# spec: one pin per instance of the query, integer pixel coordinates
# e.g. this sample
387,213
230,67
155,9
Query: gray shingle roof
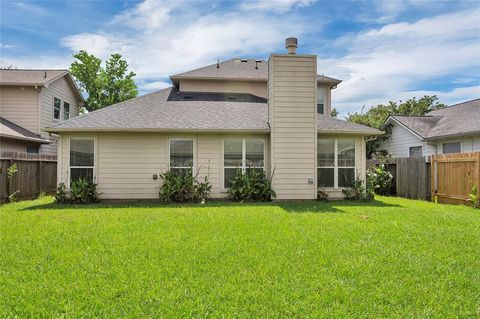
11,130
245,69
29,77
328,124
155,112
455,120
158,112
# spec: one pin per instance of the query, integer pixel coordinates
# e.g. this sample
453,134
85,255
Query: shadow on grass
290,207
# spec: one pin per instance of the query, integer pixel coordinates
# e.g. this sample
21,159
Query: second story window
57,107
321,100
66,111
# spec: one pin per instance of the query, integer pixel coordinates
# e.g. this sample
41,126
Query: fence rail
453,176
37,173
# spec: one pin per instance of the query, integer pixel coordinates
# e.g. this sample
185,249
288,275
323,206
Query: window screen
415,151
181,154
57,106
81,159
453,147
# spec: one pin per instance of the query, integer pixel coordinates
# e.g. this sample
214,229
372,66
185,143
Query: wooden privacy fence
412,178
453,176
37,173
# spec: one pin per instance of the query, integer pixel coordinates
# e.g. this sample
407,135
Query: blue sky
382,50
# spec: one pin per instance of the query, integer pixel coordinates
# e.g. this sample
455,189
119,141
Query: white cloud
391,62
156,49
153,86
30,7
275,5
6,46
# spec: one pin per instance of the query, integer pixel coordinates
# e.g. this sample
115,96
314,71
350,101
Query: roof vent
291,44
256,63
45,75
218,64
188,97
244,60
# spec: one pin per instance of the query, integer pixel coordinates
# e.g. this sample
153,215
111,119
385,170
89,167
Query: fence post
40,166
432,177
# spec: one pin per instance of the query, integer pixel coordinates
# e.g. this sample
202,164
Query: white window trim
335,163
244,156
95,152
194,150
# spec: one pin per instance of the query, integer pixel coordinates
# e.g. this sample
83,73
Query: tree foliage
104,85
376,115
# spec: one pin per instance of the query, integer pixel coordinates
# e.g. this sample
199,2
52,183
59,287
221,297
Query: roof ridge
203,67
35,70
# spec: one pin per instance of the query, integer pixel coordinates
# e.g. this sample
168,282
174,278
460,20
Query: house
242,113
453,129
31,100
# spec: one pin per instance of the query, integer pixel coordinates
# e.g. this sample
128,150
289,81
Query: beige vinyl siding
255,88
19,104
7,144
126,162
292,105
63,90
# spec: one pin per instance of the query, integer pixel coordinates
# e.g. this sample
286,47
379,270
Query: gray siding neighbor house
31,100
454,129
242,113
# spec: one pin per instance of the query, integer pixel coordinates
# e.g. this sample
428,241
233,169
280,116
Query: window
32,149
181,154
81,159
335,162
57,106
453,147
243,154
321,100
66,110
415,151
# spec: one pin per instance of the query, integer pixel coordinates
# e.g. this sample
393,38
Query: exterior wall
126,162
19,104
402,139
7,144
292,100
63,90
255,88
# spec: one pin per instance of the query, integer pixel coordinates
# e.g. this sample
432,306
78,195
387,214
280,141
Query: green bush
253,185
358,191
474,198
181,186
81,191
381,179
11,171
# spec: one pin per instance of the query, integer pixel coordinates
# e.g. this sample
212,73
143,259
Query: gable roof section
165,111
24,77
456,120
11,130
238,70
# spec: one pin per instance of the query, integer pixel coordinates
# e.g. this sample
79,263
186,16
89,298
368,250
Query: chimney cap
291,44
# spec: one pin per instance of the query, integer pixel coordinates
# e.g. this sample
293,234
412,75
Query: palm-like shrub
253,185
181,186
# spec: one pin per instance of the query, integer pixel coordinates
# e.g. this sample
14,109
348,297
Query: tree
104,85
334,113
376,115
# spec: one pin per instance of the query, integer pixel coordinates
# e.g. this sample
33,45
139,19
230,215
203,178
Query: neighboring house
31,100
272,115
453,129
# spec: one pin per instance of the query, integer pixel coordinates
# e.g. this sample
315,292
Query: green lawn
390,258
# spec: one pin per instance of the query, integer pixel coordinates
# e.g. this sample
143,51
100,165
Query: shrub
358,191
322,195
181,186
253,185
61,194
11,171
474,198
81,191
381,179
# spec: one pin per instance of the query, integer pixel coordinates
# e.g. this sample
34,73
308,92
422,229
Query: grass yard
392,258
